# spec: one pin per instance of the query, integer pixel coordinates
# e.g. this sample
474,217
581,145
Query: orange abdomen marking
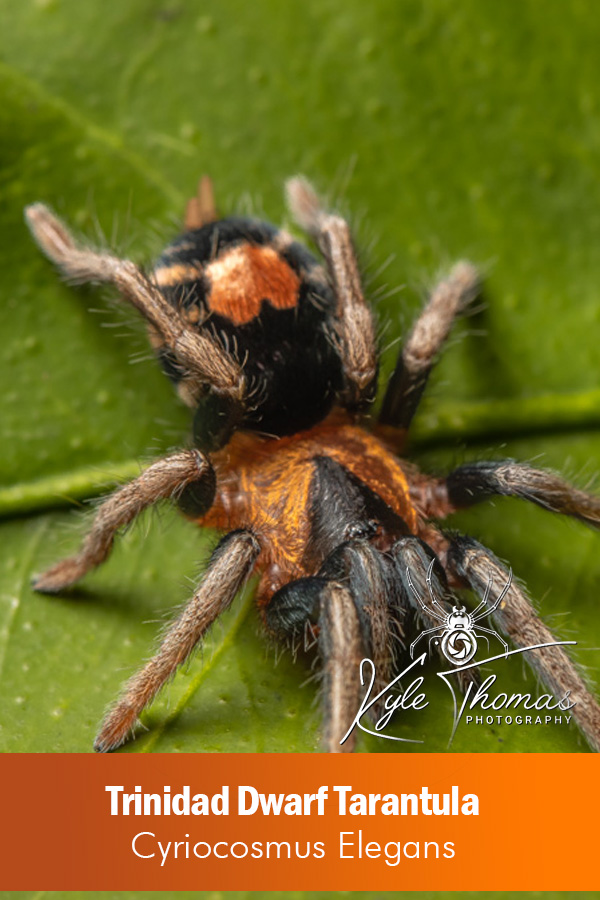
242,278
178,273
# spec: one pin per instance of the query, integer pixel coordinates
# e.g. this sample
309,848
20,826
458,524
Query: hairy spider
276,354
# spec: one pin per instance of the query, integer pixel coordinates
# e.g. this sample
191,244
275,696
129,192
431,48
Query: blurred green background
445,130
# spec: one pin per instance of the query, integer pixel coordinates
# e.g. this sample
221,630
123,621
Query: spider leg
201,209
373,584
423,633
354,330
348,601
431,612
429,644
412,555
434,599
486,639
329,606
230,565
498,600
424,343
187,476
496,635
474,482
413,559
342,650
516,617
204,362
484,602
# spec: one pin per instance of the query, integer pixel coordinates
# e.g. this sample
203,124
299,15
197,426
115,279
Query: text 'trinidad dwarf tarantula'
276,354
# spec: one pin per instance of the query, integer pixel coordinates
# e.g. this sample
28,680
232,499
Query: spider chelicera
276,354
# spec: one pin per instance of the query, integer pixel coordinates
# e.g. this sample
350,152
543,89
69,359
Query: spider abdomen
266,300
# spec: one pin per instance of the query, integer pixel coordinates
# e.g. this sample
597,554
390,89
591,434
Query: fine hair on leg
167,478
354,331
517,618
349,601
425,594
342,649
369,576
478,481
228,568
430,331
203,361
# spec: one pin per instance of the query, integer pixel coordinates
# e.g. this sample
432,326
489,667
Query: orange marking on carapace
266,485
243,277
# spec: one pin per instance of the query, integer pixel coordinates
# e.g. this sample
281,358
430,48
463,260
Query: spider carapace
275,352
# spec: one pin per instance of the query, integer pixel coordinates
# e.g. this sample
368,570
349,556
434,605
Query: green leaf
447,131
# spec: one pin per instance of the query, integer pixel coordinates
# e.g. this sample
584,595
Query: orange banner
261,821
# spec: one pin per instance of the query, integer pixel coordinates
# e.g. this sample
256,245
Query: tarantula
276,354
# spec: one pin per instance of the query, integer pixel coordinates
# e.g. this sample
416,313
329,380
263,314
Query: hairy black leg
203,361
230,565
477,481
353,328
370,578
424,591
423,344
186,477
516,617
327,609
348,605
